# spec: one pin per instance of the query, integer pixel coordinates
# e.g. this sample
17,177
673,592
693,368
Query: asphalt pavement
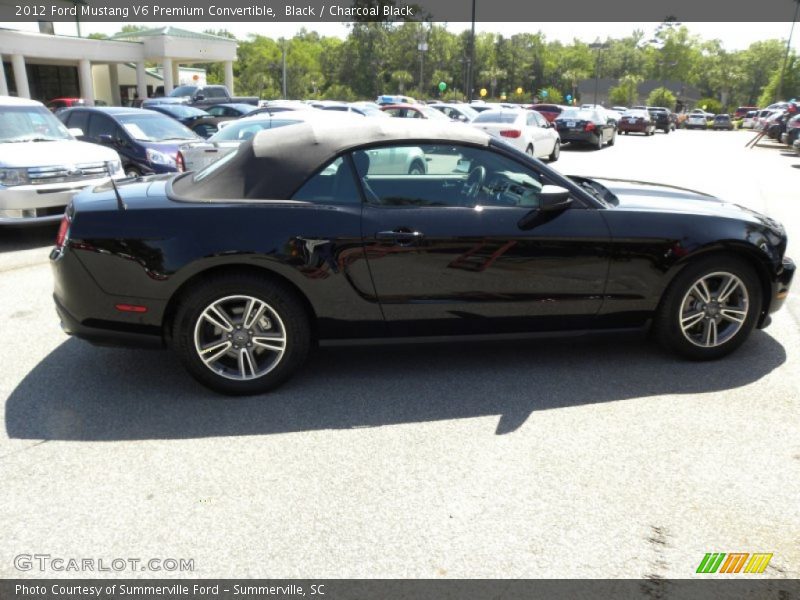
590,457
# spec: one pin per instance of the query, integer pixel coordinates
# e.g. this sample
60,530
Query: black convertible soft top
276,162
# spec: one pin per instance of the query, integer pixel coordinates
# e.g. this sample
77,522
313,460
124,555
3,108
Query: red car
413,111
636,121
58,103
548,111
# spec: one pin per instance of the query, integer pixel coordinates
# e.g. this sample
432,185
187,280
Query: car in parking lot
548,111
234,110
792,132
696,121
749,121
662,118
296,237
457,112
42,165
586,126
526,130
146,141
722,122
636,121
413,111
195,119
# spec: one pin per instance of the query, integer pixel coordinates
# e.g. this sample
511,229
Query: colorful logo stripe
734,563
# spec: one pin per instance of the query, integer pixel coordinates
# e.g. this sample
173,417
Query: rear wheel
709,309
556,152
599,144
613,138
241,335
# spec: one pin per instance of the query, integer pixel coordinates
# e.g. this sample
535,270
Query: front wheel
556,152
709,309
241,335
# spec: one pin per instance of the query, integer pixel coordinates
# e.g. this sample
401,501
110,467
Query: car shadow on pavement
80,392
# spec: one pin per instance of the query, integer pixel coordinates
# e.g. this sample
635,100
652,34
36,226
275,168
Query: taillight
63,231
511,133
180,163
589,127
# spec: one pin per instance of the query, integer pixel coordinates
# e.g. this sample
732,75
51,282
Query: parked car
457,112
388,99
57,104
147,141
636,121
42,165
586,126
548,111
526,130
242,267
796,145
662,117
203,96
792,131
696,120
199,121
742,111
413,111
235,110
749,121
353,109
722,122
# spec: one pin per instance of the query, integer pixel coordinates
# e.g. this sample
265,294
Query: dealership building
44,66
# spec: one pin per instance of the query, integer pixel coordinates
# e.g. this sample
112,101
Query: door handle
401,237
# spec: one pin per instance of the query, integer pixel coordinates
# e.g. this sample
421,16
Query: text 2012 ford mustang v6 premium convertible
312,232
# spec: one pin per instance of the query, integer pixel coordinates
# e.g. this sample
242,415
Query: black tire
667,321
599,144
666,131
281,300
555,153
416,168
132,172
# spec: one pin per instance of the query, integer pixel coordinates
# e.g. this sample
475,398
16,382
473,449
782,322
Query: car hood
654,197
43,154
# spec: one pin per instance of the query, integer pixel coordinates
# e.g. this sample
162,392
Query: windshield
578,114
29,124
154,127
183,90
181,112
497,116
432,113
240,131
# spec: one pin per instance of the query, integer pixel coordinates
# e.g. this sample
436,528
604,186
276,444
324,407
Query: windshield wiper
32,139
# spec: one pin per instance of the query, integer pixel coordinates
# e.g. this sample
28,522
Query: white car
198,155
42,165
696,121
527,130
749,121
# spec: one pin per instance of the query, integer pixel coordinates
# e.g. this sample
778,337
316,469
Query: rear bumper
578,137
632,127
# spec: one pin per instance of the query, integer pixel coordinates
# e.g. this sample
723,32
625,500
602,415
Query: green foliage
661,97
554,96
627,92
790,87
339,92
711,105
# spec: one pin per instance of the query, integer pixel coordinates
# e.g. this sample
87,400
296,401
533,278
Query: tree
711,105
553,95
627,92
661,96
401,78
791,82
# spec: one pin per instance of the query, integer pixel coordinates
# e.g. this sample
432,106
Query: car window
217,111
444,175
530,119
497,116
102,125
240,131
214,92
334,184
79,119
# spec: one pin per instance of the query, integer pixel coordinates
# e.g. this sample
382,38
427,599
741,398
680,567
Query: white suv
42,165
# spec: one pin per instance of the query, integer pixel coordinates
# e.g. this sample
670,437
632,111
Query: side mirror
105,138
553,200
462,118
76,132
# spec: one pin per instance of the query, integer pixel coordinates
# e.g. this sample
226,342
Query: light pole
599,47
423,48
471,60
779,91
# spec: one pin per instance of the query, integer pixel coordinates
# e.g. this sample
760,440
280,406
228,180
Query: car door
448,255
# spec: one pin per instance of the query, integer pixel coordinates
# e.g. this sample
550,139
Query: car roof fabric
276,162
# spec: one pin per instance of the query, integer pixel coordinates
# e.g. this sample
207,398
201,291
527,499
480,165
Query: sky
734,36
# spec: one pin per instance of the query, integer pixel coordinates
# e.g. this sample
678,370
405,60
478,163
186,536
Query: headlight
159,158
113,167
9,177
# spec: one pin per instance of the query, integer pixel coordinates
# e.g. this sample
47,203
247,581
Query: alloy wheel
240,337
714,309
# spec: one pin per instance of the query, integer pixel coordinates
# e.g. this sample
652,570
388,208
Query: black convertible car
320,231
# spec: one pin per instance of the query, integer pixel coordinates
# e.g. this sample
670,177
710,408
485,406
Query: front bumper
32,204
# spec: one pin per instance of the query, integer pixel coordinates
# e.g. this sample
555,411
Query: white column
141,81
166,71
85,81
176,74
3,82
113,79
20,76
229,76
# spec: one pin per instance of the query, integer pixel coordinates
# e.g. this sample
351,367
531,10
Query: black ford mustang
321,231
